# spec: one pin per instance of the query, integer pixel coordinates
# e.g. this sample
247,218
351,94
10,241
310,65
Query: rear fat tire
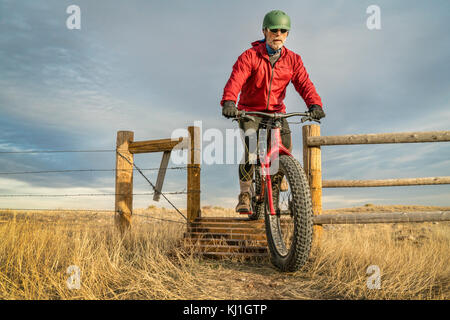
302,218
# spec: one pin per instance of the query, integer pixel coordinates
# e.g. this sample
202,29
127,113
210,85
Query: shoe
243,207
284,185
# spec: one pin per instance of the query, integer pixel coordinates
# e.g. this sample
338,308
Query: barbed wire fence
135,168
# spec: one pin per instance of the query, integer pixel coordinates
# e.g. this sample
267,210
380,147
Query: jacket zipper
270,87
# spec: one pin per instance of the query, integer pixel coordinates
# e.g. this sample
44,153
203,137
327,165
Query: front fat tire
257,207
302,218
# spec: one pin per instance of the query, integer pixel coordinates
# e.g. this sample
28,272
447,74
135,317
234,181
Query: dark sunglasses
276,30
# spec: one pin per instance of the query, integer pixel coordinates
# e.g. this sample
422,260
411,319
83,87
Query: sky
153,67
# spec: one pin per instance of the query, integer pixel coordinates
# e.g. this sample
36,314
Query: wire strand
92,211
52,151
149,217
86,194
92,170
55,209
86,170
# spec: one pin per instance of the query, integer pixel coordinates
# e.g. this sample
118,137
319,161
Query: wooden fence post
193,174
312,164
124,181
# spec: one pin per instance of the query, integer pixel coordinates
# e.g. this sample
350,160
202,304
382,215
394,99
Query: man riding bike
261,75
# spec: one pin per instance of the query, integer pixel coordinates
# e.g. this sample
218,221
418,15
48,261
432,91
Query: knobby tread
303,220
257,208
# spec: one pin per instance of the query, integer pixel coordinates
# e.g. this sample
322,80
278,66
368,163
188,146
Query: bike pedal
245,212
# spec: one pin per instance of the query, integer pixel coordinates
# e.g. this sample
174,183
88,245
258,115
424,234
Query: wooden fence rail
379,138
160,145
385,182
389,217
312,163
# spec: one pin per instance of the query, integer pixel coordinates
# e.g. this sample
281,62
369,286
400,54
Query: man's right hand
229,109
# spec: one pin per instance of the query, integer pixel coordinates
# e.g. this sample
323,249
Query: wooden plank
229,219
193,174
385,182
243,255
233,242
312,163
227,225
227,248
228,236
124,181
226,230
380,138
161,174
157,145
389,217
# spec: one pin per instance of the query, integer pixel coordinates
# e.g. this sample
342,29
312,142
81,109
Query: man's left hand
316,112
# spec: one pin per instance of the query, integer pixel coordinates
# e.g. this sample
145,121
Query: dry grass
150,263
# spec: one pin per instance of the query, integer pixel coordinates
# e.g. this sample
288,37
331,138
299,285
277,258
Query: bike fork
277,148
268,185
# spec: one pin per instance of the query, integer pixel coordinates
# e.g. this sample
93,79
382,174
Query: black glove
316,112
229,109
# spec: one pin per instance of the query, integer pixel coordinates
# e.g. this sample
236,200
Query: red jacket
262,87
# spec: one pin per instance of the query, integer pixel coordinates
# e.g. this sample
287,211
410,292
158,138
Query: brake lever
305,118
309,118
244,116
252,118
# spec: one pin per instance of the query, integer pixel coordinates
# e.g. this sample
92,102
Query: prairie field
150,261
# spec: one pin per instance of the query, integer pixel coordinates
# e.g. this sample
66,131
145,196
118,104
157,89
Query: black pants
250,136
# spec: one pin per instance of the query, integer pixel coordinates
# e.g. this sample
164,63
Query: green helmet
277,19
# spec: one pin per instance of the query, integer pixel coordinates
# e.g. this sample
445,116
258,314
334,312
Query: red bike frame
275,150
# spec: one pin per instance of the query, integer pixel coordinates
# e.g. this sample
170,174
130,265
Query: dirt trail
259,280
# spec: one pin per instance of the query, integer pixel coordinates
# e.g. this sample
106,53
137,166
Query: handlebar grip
241,115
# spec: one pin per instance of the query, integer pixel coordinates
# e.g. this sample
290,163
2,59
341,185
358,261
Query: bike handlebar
306,116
